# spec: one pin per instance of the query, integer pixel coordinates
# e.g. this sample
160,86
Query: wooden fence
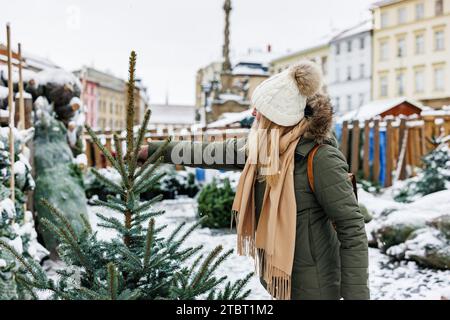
404,142
394,146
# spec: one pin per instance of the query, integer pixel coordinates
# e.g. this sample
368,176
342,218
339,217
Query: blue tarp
200,174
338,131
382,176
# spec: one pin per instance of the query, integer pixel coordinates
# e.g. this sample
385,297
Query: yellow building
412,50
318,53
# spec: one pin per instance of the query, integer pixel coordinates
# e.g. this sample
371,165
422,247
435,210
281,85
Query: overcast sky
173,38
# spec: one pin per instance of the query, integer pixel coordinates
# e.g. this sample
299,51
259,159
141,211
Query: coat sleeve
223,155
334,193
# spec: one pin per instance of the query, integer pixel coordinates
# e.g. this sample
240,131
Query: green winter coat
328,263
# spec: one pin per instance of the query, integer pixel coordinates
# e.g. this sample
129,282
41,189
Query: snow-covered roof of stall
229,118
57,76
27,75
375,108
172,114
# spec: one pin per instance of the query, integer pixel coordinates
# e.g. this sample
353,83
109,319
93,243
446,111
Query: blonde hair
263,141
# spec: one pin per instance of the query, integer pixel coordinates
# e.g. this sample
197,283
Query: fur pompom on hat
282,98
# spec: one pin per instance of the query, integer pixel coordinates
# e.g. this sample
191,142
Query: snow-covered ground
388,280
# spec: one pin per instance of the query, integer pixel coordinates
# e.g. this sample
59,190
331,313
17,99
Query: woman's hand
143,154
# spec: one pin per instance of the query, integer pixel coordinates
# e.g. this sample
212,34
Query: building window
419,80
361,99
349,102
384,20
349,73
420,11
439,7
400,84
338,49
361,70
401,47
439,76
338,101
338,76
420,44
362,43
383,86
439,40
384,51
401,15
349,46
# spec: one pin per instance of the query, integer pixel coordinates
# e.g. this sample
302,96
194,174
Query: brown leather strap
310,169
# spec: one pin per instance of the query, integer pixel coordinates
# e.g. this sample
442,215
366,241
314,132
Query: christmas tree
435,175
138,263
16,224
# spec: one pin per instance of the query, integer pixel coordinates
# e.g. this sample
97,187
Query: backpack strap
310,169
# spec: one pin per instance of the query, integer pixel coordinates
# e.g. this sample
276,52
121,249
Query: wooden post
389,153
108,147
366,164
355,147
403,148
429,133
11,112
376,151
21,98
344,140
89,152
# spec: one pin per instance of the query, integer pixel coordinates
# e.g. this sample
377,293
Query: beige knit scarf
272,245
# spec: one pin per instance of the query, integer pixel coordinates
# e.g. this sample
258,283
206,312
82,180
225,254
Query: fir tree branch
60,217
66,238
204,268
149,242
145,185
120,161
140,138
112,280
86,223
13,251
105,151
149,203
115,187
153,157
130,106
108,205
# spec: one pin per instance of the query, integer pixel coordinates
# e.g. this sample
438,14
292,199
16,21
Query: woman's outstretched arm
224,155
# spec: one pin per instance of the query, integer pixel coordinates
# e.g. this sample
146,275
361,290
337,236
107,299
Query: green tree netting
57,178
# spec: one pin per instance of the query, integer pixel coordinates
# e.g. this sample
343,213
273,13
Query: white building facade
350,68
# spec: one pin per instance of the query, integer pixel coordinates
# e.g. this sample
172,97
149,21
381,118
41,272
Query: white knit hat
282,97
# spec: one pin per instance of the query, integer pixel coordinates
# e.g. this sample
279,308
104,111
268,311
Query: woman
307,244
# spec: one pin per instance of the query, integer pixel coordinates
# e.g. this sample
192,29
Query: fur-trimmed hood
319,114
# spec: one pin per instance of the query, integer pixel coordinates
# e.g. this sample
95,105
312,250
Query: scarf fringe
278,281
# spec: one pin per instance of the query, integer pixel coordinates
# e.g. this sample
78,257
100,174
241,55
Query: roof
375,108
315,44
361,27
383,3
172,114
229,118
104,79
